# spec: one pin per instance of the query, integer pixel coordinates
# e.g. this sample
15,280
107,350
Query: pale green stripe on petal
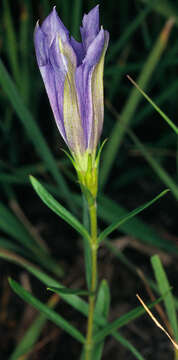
71,114
97,99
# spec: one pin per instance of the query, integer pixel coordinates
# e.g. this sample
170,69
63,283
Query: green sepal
70,157
99,152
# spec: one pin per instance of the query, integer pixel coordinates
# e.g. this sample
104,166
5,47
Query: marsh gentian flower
73,76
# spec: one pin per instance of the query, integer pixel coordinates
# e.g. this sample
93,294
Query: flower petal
79,50
40,46
72,73
90,27
98,97
53,26
71,114
84,86
54,84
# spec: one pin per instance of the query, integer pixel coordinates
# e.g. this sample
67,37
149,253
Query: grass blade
109,210
130,215
31,336
63,290
128,345
123,320
164,287
162,114
49,313
76,18
75,301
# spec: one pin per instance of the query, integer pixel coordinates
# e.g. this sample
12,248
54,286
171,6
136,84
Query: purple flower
73,76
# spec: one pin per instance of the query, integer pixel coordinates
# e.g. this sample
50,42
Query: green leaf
76,17
123,219
32,334
128,345
54,205
123,320
109,210
164,288
163,115
102,308
87,247
103,299
75,301
30,338
49,313
63,290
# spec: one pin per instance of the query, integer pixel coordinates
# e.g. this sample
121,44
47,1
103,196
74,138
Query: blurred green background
138,161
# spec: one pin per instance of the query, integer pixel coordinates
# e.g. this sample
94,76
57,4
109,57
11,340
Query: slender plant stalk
94,249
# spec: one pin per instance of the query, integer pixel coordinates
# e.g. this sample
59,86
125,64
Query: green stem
94,248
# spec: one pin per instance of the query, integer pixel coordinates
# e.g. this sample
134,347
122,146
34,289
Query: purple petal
83,83
95,49
54,84
40,46
55,58
73,76
52,74
53,26
62,56
79,50
90,27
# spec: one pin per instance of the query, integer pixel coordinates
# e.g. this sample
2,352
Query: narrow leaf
75,301
30,338
86,245
164,286
123,320
54,205
123,219
50,314
109,210
101,308
63,290
163,115
128,345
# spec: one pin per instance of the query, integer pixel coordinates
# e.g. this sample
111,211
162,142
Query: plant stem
94,248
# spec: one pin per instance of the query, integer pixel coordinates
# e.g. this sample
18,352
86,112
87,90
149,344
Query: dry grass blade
157,322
